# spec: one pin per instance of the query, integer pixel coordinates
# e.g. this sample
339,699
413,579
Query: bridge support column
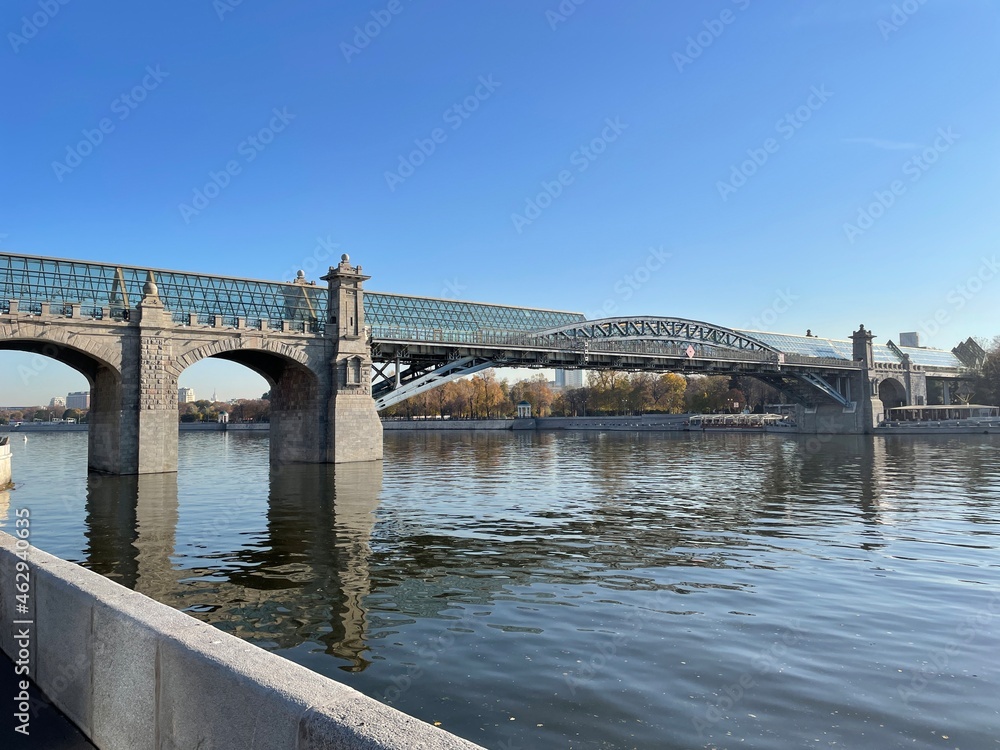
829,419
150,390
354,431
107,452
869,404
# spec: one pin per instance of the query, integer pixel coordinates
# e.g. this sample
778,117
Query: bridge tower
354,431
150,434
869,402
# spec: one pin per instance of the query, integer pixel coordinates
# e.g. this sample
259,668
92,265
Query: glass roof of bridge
396,310
811,346
33,279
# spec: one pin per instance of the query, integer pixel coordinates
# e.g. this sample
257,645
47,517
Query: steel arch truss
399,386
676,331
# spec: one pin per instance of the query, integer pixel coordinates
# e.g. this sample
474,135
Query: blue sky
789,164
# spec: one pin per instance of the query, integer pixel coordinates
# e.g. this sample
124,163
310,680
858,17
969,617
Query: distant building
569,379
78,400
185,395
58,402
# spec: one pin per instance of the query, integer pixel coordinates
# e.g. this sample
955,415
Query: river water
582,590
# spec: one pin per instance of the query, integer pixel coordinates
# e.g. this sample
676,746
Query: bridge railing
832,362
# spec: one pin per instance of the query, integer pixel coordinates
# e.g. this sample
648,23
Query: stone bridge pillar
149,388
866,388
354,431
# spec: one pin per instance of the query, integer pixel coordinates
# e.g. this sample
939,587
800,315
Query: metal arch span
671,330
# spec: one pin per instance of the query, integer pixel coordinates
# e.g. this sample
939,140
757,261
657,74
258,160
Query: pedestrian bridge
336,353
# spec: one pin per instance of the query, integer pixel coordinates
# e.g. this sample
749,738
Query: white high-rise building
185,395
58,402
569,379
78,400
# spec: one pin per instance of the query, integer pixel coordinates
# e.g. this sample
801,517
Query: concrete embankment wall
447,424
134,674
645,422
5,472
182,426
653,422
44,427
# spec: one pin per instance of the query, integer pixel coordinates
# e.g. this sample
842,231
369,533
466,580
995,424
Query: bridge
335,355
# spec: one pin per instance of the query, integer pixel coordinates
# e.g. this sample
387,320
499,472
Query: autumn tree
535,391
487,394
706,394
987,384
667,392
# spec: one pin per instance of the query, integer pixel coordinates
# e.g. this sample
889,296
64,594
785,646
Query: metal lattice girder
675,330
383,381
439,376
817,381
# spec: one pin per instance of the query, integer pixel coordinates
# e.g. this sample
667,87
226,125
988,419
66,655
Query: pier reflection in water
304,578
586,590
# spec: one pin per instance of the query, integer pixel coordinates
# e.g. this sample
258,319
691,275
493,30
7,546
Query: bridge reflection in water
482,576
306,579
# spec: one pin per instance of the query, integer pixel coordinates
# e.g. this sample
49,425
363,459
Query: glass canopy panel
399,311
804,345
34,280
844,349
95,285
932,357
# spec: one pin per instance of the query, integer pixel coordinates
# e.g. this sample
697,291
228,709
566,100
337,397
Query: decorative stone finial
300,275
149,288
345,258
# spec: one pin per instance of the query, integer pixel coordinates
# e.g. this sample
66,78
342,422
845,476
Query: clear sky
783,165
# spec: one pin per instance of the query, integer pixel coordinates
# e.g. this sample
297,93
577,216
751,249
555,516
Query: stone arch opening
105,450
892,393
297,413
